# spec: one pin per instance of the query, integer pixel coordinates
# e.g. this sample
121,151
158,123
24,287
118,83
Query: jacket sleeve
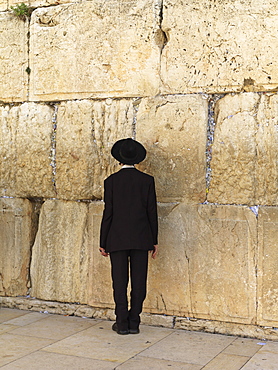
107,213
152,211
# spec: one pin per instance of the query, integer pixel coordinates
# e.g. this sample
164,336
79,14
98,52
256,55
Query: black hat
128,151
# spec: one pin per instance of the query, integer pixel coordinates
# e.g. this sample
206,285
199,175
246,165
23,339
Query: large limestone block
86,131
17,227
59,267
14,57
174,129
223,270
206,265
267,151
267,267
233,161
219,46
169,280
100,293
95,49
244,151
3,5
25,146
164,294
38,3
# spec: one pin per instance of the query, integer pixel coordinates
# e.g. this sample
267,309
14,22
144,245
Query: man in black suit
128,232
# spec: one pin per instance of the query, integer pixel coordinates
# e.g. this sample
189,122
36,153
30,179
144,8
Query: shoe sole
121,332
134,331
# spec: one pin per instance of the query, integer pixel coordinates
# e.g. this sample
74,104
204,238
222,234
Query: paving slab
227,362
27,318
262,362
265,359
5,328
54,327
195,348
36,341
54,361
7,314
244,347
141,362
13,347
99,342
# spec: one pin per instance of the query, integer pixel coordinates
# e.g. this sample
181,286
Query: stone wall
196,83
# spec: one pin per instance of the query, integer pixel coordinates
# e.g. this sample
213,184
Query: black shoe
134,331
121,332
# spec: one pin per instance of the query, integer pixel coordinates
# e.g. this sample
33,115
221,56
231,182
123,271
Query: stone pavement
41,341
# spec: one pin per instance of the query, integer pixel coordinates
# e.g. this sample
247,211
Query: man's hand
103,253
154,251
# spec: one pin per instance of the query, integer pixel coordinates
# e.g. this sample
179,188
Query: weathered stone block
108,49
206,266
14,57
234,150
39,3
59,267
173,129
219,46
86,131
25,145
226,328
267,151
244,151
267,266
168,280
17,227
100,292
3,5
223,278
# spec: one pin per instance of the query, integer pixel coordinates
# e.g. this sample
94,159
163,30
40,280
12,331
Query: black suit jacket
130,215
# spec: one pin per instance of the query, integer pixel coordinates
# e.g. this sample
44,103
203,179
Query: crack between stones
53,147
255,208
255,115
160,36
37,205
28,69
212,99
136,104
163,301
189,283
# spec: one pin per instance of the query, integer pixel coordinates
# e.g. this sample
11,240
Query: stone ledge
173,322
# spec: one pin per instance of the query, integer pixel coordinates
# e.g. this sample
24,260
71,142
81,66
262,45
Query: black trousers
136,261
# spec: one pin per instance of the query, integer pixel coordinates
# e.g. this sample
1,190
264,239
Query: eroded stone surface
173,129
205,252
169,280
234,150
226,328
38,3
198,245
267,151
59,267
100,287
267,266
3,5
219,46
244,151
25,146
221,260
16,237
86,131
124,41
14,57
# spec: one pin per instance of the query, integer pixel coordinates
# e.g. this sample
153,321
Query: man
128,232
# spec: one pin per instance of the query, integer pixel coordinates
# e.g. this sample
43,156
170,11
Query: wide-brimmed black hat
128,151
